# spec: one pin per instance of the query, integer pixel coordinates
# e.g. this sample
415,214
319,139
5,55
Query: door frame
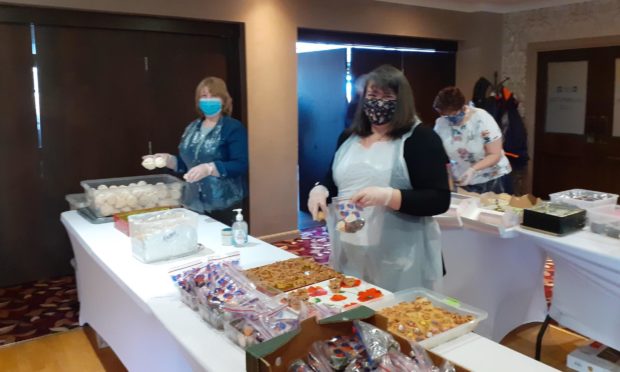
531,69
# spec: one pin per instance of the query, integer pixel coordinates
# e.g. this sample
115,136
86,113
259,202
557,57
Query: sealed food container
554,218
407,311
163,235
107,197
584,199
605,220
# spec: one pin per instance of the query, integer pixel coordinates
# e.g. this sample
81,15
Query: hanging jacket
503,106
515,135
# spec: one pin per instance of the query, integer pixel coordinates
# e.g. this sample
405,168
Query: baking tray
440,301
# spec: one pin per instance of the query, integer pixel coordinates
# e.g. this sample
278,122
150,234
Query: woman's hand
373,196
199,172
467,177
317,202
493,154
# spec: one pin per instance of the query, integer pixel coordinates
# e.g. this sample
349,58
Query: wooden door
20,186
176,64
574,144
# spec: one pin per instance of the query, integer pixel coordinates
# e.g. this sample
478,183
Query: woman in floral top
473,141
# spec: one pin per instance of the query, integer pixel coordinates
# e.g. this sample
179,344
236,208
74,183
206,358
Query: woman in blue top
213,155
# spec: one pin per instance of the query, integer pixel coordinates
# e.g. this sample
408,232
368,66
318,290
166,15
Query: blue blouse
226,145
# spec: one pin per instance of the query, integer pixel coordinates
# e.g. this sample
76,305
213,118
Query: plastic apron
394,250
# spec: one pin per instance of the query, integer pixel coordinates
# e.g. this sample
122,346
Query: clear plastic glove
199,172
159,160
467,177
317,202
373,196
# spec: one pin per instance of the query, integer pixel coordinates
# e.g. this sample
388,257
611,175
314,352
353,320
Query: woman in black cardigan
395,169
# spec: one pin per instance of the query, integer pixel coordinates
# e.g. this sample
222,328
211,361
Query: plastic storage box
163,235
440,301
107,197
605,220
584,199
76,201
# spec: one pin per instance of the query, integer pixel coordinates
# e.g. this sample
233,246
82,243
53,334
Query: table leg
541,334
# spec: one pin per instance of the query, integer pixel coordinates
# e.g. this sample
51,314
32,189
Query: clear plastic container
113,195
440,301
76,201
605,220
163,235
584,199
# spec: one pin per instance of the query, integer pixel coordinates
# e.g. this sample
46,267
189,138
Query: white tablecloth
586,294
504,277
136,308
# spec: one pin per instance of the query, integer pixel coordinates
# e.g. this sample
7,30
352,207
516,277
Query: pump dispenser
239,230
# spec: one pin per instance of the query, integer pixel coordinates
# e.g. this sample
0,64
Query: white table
137,310
115,290
503,276
586,293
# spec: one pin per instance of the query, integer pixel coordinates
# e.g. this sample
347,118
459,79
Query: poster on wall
567,84
616,131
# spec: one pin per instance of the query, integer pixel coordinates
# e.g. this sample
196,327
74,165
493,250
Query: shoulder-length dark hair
387,77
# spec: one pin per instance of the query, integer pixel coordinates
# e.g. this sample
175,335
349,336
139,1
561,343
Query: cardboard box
277,354
594,358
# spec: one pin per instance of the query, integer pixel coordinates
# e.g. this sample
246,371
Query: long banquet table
135,308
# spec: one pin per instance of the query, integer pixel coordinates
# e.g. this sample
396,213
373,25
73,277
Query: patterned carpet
47,306
36,309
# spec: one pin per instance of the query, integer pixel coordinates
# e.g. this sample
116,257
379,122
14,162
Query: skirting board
287,235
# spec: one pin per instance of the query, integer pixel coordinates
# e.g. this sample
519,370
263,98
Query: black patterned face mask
379,111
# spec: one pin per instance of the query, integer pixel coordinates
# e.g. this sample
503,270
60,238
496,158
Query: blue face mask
210,106
455,119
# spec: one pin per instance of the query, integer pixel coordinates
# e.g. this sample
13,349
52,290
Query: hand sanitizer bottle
239,230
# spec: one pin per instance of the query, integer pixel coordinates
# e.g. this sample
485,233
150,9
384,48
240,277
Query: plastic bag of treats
376,341
337,354
259,324
183,277
224,287
423,362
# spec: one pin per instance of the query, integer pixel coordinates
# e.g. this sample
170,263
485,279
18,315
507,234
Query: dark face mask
379,111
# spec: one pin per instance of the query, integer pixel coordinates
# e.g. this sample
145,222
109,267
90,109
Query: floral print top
464,144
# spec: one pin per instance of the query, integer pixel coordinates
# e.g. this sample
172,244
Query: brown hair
449,99
217,88
387,77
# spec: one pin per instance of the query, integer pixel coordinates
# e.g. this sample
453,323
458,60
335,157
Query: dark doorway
107,86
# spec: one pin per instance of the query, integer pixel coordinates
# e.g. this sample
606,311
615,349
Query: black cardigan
427,163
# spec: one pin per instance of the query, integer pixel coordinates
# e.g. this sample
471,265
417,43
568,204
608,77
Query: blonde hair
217,88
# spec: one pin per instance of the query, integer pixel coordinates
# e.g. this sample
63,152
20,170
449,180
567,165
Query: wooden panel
93,118
20,184
428,73
177,63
